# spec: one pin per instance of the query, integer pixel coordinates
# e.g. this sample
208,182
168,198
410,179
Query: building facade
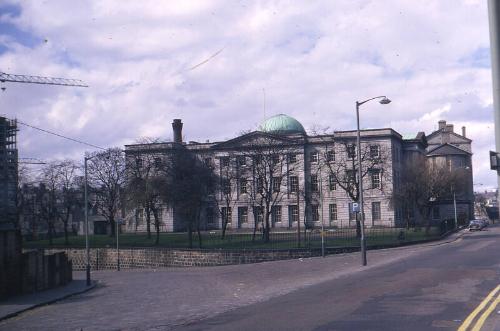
315,183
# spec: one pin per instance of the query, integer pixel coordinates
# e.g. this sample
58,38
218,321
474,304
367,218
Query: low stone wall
106,258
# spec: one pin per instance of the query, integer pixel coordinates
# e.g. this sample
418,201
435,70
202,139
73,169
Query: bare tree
269,170
47,195
69,192
144,174
424,186
226,189
340,161
106,172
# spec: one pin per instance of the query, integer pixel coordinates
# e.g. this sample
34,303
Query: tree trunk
224,226
112,226
49,232
148,220
190,235
65,222
157,226
298,222
267,229
199,235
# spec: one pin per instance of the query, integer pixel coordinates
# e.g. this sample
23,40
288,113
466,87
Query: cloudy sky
215,64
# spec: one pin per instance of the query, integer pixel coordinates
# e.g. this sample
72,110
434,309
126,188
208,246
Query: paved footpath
161,299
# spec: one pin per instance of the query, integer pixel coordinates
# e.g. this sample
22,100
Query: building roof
281,124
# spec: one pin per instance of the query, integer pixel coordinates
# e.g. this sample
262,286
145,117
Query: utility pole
494,20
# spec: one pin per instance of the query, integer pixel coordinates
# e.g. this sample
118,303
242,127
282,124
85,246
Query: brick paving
160,299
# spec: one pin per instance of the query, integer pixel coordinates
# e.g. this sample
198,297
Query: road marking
486,313
476,311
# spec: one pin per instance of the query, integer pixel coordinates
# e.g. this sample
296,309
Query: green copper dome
281,124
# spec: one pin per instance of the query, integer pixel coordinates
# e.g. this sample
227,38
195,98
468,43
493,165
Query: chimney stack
177,126
442,124
463,131
449,127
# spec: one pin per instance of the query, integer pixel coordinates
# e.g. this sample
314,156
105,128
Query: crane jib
4,77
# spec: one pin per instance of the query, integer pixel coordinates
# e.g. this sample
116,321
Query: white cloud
314,60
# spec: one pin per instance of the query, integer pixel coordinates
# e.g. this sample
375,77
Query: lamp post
384,100
87,252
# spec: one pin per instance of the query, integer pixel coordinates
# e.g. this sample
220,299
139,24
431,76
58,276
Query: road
434,290
424,287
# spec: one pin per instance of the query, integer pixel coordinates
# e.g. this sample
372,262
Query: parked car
476,225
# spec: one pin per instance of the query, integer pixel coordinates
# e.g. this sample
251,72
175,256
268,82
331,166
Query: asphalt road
437,289
421,287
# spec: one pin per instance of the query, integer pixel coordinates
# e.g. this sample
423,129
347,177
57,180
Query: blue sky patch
480,58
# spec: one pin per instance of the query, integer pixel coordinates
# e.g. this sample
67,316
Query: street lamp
87,251
384,101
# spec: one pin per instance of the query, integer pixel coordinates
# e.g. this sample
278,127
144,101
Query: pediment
258,139
447,149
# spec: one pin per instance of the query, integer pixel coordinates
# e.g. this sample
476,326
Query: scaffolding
8,173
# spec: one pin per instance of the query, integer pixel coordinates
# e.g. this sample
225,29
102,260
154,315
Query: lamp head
385,101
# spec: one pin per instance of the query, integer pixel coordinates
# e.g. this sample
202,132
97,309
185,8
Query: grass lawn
279,240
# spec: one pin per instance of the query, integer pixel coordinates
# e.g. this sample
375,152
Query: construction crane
4,78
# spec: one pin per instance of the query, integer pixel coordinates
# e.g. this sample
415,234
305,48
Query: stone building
446,147
313,181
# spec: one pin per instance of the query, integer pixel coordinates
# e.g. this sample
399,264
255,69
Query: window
352,214
435,213
275,158
333,212
376,211
375,151
330,156
243,186
157,162
242,160
257,159
351,175
138,162
294,184
351,151
276,214
375,174
210,215
260,185
332,184
226,186
242,215
293,213
226,214
314,183
315,213
276,184
314,157
225,161
259,212
292,158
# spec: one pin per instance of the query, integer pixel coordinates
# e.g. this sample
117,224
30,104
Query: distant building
446,147
308,193
8,173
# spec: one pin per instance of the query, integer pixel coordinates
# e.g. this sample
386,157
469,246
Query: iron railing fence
278,238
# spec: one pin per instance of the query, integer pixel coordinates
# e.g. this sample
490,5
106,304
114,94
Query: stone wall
30,271
10,263
106,258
